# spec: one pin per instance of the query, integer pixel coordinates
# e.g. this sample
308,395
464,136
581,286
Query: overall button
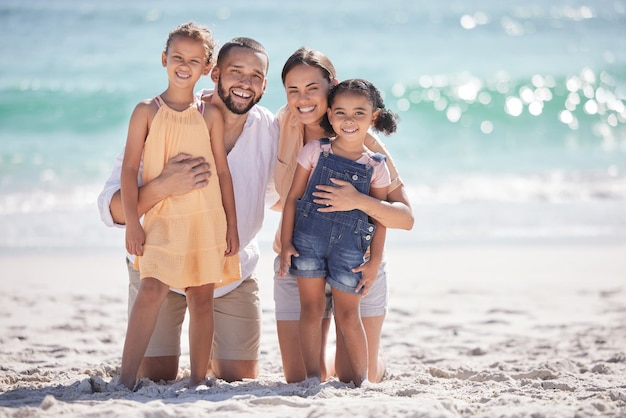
355,177
371,228
368,237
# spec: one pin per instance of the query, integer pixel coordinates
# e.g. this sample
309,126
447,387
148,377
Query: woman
307,77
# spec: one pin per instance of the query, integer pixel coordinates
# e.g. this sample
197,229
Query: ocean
512,118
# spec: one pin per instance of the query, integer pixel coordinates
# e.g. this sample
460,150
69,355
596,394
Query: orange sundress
185,235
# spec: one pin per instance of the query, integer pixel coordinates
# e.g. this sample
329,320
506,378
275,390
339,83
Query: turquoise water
512,113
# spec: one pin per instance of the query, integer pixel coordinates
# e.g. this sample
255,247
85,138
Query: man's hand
182,174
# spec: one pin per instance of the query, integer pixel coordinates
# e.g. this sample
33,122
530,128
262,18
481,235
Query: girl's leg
287,307
141,323
312,304
375,360
350,327
200,304
373,308
343,370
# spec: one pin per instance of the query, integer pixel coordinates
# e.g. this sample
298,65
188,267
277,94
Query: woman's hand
341,197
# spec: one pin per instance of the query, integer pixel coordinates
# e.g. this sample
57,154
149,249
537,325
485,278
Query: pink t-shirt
310,154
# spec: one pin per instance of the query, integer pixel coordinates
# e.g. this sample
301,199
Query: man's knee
159,368
153,290
235,370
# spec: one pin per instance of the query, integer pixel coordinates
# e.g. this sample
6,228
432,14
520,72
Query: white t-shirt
251,163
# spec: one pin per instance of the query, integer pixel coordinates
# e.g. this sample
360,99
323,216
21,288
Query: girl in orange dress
188,242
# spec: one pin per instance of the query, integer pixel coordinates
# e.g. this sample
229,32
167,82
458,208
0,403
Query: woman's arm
394,212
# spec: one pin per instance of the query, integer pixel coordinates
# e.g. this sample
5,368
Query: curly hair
386,121
195,31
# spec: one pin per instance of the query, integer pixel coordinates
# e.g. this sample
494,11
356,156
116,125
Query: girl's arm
215,124
298,186
370,267
137,133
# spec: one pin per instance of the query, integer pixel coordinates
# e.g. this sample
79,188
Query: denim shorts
287,298
330,247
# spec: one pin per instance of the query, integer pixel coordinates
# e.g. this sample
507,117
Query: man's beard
238,110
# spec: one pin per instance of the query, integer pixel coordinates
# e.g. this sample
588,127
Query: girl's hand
285,259
232,242
341,197
369,272
135,239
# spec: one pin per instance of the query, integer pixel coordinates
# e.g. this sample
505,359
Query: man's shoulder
262,122
261,112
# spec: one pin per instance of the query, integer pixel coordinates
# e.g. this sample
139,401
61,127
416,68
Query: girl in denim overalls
320,248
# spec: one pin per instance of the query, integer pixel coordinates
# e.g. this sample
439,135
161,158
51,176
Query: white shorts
287,298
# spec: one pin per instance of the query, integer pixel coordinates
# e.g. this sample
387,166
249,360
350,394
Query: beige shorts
237,317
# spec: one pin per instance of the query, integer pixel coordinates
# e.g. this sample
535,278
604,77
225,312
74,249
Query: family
191,188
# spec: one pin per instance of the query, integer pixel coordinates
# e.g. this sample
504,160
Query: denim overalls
332,244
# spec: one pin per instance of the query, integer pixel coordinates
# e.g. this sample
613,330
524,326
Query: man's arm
180,175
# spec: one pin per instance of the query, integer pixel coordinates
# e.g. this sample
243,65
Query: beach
472,331
507,298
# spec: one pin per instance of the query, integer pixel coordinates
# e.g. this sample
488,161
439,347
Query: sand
513,331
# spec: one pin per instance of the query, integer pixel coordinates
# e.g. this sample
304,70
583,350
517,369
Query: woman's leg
141,323
312,302
200,304
291,354
351,330
376,365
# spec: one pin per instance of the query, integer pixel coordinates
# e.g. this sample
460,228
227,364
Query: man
251,138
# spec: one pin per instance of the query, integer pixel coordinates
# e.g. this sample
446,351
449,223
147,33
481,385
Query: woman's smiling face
307,93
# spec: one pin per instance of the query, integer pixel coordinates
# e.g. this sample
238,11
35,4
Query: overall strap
375,159
325,145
